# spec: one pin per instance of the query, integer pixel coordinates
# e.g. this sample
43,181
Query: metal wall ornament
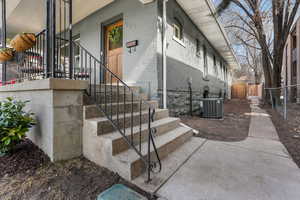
132,45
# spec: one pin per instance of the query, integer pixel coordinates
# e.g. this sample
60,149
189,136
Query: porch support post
48,39
298,61
70,39
53,36
3,28
165,54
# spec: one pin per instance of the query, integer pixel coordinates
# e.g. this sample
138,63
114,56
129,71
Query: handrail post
285,102
71,40
53,36
149,146
48,39
4,64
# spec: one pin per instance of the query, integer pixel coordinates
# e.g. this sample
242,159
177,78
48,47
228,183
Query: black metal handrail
106,81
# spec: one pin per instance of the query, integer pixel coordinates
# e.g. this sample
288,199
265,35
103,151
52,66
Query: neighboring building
291,63
159,48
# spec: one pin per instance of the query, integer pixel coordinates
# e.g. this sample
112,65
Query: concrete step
162,126
103,126
91,111
170,165
114,87
113,98
165,144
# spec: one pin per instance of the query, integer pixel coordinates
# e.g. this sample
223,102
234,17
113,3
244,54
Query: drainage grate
120,192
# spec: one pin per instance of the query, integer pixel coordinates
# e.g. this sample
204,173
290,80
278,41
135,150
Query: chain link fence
288,100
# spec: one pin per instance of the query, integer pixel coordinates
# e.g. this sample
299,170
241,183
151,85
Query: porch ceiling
200,12
29,15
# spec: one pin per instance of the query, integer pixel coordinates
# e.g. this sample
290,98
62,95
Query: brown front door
114,50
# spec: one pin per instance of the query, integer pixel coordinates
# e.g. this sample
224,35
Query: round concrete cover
120,192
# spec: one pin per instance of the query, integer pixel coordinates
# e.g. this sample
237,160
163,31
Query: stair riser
135,89
137,168
93,111
119,145
114,98
106,127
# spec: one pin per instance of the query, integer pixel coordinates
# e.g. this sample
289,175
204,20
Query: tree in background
256,15
248,50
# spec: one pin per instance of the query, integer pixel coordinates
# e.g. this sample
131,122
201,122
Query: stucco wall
144,67
183,64
139,67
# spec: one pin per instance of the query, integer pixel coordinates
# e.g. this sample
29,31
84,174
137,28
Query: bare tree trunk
276,76
267,75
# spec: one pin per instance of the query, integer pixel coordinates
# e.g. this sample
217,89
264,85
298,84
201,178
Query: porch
67,84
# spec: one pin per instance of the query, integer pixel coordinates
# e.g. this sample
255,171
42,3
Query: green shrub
14,123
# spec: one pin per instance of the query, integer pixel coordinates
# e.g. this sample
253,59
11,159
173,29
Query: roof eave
201,13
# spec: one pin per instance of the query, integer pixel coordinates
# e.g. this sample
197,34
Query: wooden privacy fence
239,91
244,90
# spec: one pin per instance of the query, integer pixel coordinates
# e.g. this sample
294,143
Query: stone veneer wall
58,108
179,101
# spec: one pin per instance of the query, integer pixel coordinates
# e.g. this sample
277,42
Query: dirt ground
288,130
233,127
27,174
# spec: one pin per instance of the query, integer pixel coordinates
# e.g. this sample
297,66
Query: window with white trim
205,61
178,30
215,66
198,48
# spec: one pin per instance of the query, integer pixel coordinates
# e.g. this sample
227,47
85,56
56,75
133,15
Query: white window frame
179,30
205,61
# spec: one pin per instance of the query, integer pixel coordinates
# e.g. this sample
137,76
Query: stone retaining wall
179,101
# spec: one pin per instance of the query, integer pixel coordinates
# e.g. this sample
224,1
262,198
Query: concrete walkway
258,168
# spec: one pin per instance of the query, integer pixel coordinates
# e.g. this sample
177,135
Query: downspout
165,54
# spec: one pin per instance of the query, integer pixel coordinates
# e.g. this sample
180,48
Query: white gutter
165,54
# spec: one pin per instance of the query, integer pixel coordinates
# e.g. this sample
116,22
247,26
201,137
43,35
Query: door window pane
118,40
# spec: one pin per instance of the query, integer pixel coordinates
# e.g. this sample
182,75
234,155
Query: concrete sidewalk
258,168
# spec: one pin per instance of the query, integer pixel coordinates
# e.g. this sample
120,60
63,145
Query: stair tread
121,115
115,103
116,134
131,156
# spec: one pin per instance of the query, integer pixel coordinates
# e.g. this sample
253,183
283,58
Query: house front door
114,50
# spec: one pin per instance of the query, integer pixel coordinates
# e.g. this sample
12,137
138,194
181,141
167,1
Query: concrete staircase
105,146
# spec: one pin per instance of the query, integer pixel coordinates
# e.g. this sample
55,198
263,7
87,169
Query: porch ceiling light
146,1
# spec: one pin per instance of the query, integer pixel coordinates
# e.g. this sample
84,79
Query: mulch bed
28,174
26,158
288,130
233,127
